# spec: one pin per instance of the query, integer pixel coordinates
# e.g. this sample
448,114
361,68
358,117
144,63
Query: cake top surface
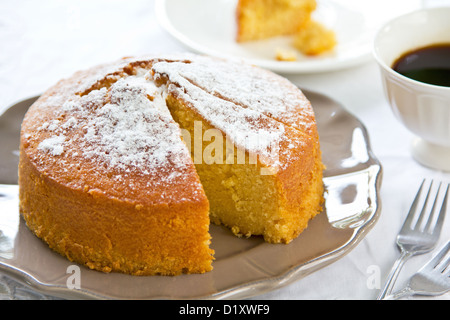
244,85
112,122
119,138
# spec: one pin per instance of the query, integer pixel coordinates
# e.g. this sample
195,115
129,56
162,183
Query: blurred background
55,38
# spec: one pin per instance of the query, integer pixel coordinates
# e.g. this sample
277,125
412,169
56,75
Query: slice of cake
314,39
264,19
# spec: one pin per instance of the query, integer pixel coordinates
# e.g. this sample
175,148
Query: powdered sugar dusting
53,145
248,128
244,127
131,130
126,126
247,86
119,119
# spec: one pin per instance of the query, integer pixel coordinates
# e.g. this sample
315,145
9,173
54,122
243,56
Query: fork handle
392,277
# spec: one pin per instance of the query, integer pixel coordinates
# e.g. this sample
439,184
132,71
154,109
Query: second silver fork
413,238
432,279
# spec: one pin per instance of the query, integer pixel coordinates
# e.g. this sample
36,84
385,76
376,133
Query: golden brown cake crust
108,234
136,218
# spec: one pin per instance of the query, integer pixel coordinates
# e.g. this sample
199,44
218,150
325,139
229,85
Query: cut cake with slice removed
108,179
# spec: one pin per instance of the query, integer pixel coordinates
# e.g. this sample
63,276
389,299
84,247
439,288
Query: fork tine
433,211
436,260
409,219
424,207
445,268
442,212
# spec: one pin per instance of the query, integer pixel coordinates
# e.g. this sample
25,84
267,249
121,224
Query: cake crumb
283,54
314,39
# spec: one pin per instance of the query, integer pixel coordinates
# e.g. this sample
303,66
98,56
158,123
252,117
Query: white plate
209,27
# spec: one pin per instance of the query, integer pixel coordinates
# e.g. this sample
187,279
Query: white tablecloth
43,41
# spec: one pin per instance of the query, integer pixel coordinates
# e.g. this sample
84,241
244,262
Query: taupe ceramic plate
243,267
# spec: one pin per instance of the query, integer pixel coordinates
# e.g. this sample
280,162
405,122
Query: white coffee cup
423,108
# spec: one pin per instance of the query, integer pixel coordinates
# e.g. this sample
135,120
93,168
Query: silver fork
431,280
413,239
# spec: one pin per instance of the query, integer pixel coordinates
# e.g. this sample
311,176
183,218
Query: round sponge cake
123,166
